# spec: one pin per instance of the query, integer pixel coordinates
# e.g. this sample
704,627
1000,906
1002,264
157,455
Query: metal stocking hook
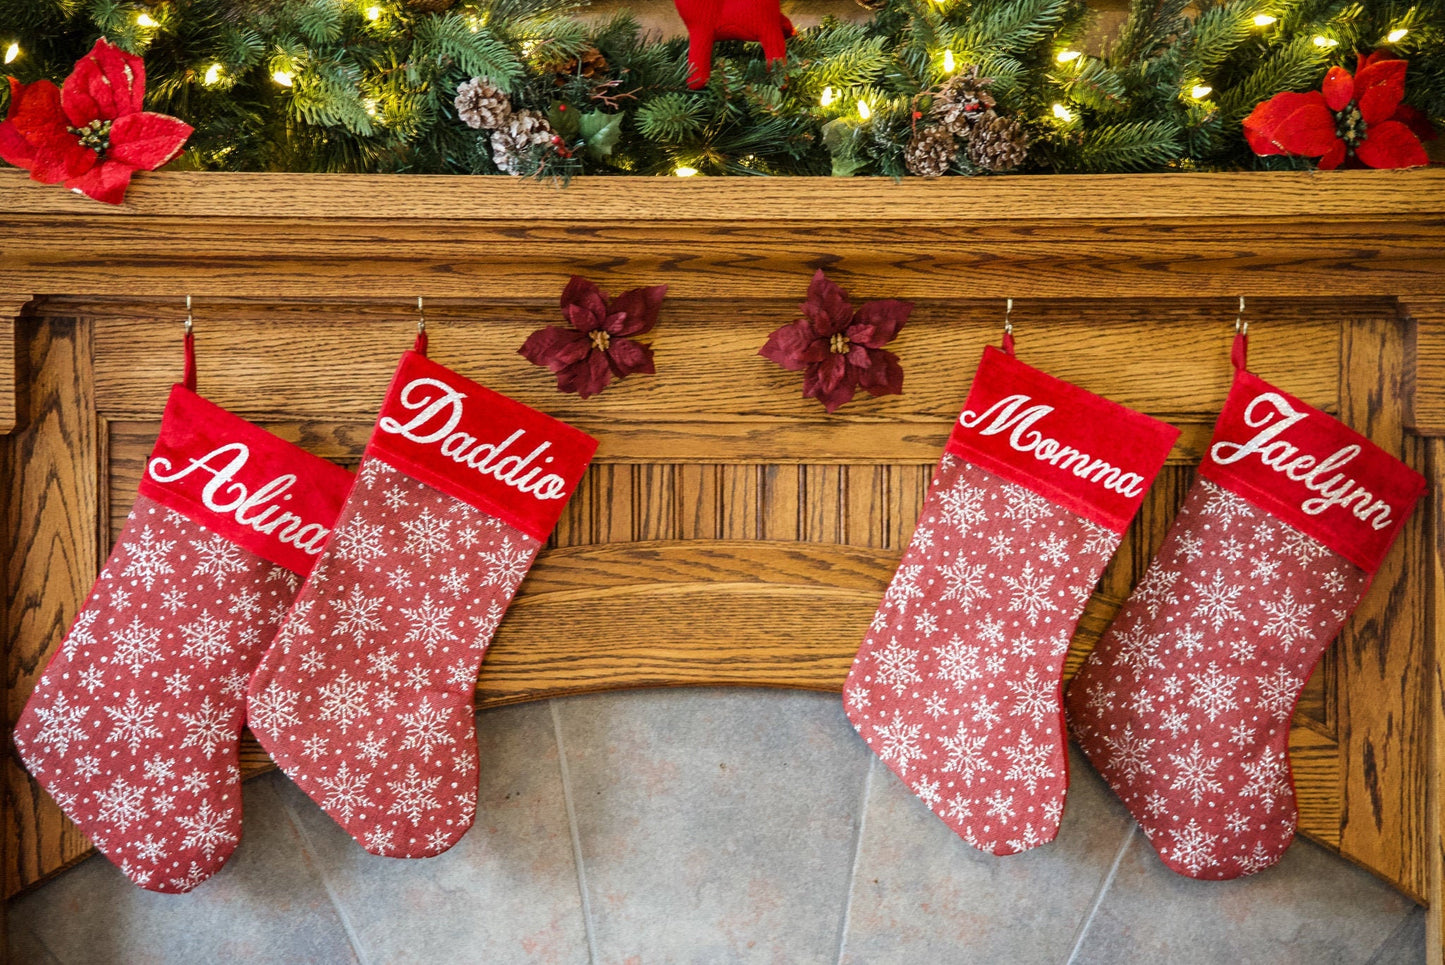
420,315
189,323
1241,327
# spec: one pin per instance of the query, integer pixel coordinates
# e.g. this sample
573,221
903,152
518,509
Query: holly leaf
601,132
564,120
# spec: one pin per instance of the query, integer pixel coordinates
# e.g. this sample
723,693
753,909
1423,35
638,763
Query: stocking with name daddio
134,726
365,698
957,684
1185,704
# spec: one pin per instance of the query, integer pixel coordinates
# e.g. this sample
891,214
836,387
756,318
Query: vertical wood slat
11,305
51,515
1435,711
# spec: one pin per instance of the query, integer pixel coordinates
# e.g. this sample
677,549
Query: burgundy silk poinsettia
839,349
1354,121
598,346
91,132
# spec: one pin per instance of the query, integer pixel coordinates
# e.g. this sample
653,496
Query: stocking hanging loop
1008,326
420,346
190,371
1239,354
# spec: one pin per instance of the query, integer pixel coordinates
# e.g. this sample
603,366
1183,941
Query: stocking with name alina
1184,706
956,686
135,724
365,699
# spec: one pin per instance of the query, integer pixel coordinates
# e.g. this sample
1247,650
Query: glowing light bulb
370,106
1264,19
864,111
1067,56
948,62
11,53
829,96
282,77
1396,35
213,74
1063,113
683,171
146,20
373,13
1200,91
1325,42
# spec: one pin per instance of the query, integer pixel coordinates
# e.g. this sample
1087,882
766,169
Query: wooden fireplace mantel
729,531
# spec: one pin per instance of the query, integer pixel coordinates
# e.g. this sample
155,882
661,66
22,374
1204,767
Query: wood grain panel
1435,698
1427,353
11,304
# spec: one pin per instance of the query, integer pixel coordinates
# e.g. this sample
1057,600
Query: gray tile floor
710,826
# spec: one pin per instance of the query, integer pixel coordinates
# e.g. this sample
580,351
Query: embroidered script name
1273,416
1016,416
435,422
259,509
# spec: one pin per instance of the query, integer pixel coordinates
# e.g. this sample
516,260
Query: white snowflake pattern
1030,593
360,542
1304,548
927,791
1175,722
1190,640
1000,545
1025,507
1231,550
1213,691
935,705
137,645
414,795
903,588
967,582
207,829
60,724
1055,550
1288,618
1277,692
244,603
1216,600
80,636
1156,590
274,708
217,558
149,558
1000,805
426,728
454,582
961,506
957,663
87,766
345,792
398,579
1139,649
1194,774
395,498
897,667
357,615
985,712
1193,848
1129,752
1034,696
373,748
427,535
900,742
122,804
206,638
430,624
1189,546
967,754
1264,569
1028,763
133,722
925,623
1225,505
1241,735
1268,777
207,728
486,624
343,700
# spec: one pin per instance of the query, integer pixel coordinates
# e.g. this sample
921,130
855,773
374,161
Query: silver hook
1008,325
1241,327
189,323
420,315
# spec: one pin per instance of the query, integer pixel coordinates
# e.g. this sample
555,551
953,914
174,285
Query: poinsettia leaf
145,140
36,116
107,83
827,305
1334,157
14,149
877,323
1391,145
555,347
628,357
587,377
584,304
1308,132
794,346
831,397
1379,88
1262,126
884,375
105,181
1417,121
1338,88
635,311
832,371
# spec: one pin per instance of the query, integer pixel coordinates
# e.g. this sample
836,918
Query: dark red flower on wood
598,346
90,133
1352,121
838,349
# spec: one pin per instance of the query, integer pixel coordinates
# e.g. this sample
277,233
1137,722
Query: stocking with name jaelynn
134,727
1185,704
365,698
957,684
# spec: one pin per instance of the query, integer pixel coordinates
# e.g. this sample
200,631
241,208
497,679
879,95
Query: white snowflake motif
1055,550
1028,763
1213,691
1333,581
985,712
430,624
160,768
206,829
959,807
1175,722
903,588
92,678
454,582
196,781
134,722
427,536
961,506
927,791
426,728
274,709
217,558
244,603
1025,507
1000,805
88,766
507,564
1231,550
395,498
925,623
149,558
1264,569
163,803
60,724
80,635
1257,860
345,792
313,661
343,700
1225,505
383,663
378,840
1099,540
1129,752
468,537
137,645
150,849
1189,547
360,542
282,575
1099,699
1241,735
935,705
1000,545
1288,619
1303,548
398,579
1193,848
1034,696
989,630
192,878
486,625
121,804
1029,839
966,583
461,673
957,663
1142,703
1277,692
120,599
967,754
1023,648
1236,822
1268,777
371,470
207,729
415,795
922,538
1195,773
418,677
900,742
1216,602
1190,640
1156,590
1156,804
373,748
1139,650
1172,686
357,615
897,667
1030,593
206,638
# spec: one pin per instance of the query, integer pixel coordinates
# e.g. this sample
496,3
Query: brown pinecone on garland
930,153
429,6
591,64
996,143
513,140
483,106
962,100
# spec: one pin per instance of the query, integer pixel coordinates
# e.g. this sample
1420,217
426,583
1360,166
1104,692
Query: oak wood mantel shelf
730,532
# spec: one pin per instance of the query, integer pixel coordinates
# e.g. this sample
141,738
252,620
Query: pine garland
369,85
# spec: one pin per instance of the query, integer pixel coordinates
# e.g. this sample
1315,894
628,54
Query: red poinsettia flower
839,349
1354,121
91,133
598,346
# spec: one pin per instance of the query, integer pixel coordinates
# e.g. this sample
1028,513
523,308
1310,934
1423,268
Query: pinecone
482,106
591,64
430,6
997,143
962,100
930,153
512,142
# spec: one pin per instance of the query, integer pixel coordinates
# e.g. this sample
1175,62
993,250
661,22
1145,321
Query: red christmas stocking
956,685
134,725
1184,706
365,698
